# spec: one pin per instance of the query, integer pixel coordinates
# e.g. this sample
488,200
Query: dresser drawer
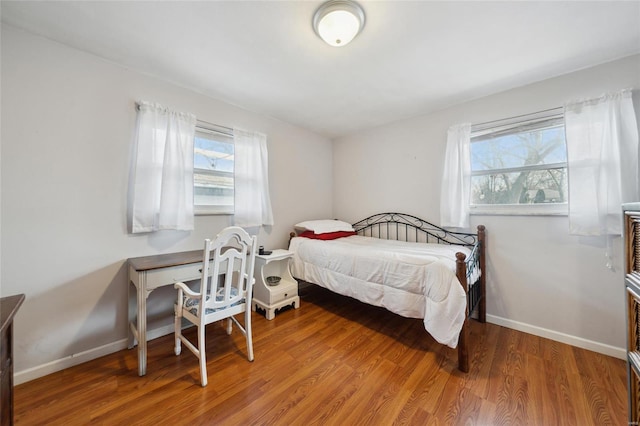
6,350
633,319
6,395
632,242
634,401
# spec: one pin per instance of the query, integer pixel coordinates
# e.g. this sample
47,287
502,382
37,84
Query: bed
402,263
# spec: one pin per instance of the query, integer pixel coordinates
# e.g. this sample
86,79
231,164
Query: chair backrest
228,264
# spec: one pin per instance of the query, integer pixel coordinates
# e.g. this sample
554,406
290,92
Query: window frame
211,129
512,126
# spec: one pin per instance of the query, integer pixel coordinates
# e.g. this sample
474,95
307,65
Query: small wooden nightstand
271,298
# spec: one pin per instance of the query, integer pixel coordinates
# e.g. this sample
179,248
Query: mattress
415,280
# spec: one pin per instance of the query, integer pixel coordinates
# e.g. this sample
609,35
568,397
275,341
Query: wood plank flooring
336,361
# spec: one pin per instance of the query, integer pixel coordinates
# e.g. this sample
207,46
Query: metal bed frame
405,227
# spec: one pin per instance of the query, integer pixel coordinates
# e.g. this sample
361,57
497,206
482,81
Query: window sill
521,210
212,210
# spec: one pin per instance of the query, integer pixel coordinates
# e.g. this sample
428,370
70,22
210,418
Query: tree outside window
525,164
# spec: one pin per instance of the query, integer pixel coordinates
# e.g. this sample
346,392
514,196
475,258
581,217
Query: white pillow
324,226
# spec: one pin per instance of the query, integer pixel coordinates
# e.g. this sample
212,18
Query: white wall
67,123
67,126
540,279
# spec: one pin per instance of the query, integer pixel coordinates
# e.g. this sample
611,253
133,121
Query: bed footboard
470,271
474,269
467,268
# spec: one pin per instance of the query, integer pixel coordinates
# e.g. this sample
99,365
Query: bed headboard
405,227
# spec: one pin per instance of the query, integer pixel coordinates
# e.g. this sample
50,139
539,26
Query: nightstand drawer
284,293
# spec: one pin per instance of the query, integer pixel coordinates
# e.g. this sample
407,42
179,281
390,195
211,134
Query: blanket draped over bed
406,265
415,280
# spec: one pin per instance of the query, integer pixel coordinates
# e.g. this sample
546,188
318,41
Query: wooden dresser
8,308
631,231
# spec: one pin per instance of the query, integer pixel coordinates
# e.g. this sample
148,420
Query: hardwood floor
336,361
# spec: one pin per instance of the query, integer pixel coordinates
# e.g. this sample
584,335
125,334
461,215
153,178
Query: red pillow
327,235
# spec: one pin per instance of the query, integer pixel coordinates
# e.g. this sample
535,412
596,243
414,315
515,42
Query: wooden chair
225,290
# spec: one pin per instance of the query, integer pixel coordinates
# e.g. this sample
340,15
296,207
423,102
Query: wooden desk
146,274
8,308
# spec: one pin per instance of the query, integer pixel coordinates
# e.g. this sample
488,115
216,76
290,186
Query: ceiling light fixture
337,22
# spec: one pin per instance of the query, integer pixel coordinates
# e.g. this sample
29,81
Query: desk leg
138,331
132,336
142,326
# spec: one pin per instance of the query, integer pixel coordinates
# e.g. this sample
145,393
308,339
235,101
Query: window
519,166
213,181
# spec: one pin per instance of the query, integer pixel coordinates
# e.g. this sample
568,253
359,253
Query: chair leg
177,330
247,329
203,357
229,326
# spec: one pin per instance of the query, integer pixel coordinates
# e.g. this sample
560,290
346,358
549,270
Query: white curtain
602,156
252,200
456,178
163,175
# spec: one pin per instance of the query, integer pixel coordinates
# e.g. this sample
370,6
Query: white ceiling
413,57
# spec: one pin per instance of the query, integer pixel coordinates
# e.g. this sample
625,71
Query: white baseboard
33,373
579,342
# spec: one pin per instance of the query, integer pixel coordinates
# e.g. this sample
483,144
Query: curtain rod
213,127
559,109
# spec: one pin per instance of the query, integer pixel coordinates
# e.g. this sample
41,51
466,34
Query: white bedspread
415,280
